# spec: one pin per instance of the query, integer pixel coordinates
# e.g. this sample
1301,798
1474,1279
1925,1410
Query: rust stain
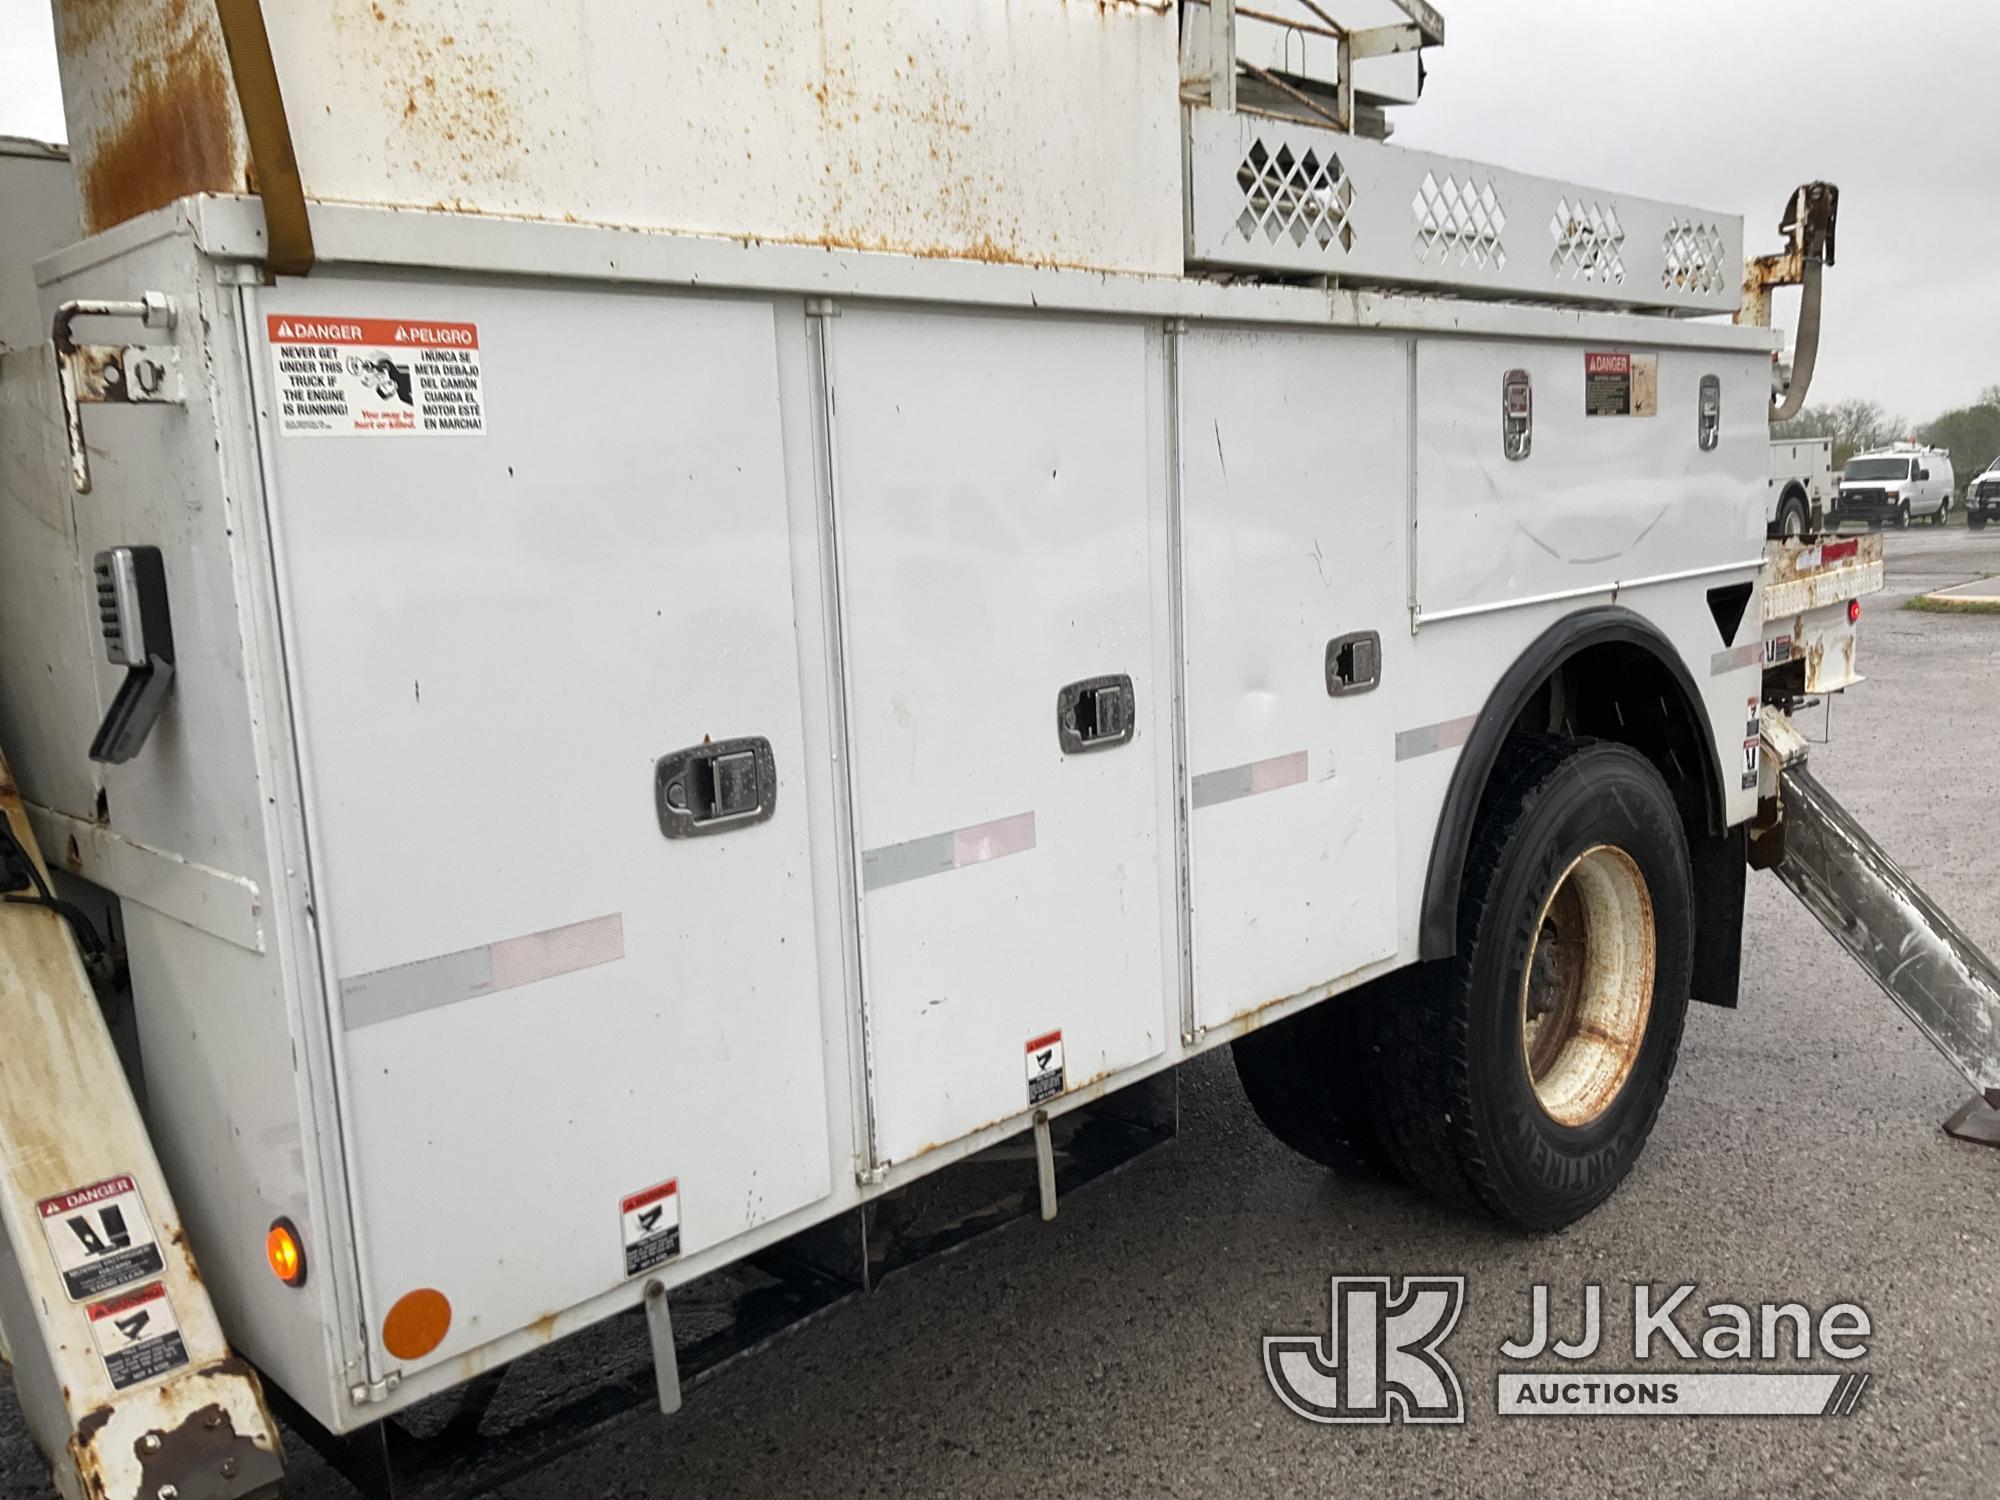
179,1240
451,95
80,24
173,127
93,1421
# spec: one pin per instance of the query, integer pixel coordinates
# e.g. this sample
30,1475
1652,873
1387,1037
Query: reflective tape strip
1749,654
1448,735
1211,787
935,853
427,983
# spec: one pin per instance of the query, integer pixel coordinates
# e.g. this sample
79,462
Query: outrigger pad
1975,1121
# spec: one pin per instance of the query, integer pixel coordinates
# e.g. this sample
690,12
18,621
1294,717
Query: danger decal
137,1336
1045,1067
651,1225
1617,384
376,377
101,1237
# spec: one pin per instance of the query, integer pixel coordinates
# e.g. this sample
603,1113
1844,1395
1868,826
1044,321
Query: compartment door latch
715,786
1353,663
1095,714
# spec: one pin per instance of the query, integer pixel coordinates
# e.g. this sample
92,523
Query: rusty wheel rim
1587,988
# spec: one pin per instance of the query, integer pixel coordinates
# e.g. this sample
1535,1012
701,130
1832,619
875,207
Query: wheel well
1603,672
1795,491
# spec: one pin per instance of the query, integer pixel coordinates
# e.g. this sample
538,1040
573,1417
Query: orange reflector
417,1324
286,1255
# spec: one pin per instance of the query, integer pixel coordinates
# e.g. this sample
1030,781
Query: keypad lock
1095,714
715,786
138,636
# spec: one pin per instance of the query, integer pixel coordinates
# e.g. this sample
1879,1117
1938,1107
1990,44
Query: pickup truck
1982,496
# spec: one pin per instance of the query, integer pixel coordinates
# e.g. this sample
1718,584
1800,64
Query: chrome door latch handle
715,786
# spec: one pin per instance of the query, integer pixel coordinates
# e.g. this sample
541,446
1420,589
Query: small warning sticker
100,1237
651,1224
376,377
1616,384
1045,1067
1750,742
137,1336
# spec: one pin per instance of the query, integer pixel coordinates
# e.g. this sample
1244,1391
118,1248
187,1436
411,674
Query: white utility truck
626,643
1801,486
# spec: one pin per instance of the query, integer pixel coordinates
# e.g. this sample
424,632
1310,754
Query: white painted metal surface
40,193
1007,473
915,127
491,639
1294,473
1804,465
997,532
1278,195
1600,500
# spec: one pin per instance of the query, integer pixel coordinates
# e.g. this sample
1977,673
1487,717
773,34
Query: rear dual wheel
1522,1076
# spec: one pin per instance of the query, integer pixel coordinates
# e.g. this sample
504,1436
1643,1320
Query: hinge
375,1392
113,374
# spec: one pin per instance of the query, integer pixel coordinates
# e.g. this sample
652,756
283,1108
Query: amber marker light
287,1257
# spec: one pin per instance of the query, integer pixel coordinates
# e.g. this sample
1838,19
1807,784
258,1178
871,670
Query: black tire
1307,1079
1793,520
1903,516
1976,520
1454,1099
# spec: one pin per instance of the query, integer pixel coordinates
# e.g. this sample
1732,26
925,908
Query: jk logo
1380,1362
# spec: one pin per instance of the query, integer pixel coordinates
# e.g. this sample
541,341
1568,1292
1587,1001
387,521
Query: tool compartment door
994,501
495,628
1294,493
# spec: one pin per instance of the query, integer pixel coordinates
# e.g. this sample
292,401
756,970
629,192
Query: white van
1891,485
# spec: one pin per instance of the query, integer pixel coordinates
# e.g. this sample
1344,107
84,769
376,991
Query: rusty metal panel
152,114
1811,575
1036,132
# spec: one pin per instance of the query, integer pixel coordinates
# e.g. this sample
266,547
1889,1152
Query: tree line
1970,434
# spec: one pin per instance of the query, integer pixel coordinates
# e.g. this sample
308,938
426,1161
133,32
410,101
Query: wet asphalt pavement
1116,1351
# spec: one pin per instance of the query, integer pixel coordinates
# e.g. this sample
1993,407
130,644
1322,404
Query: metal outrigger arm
127,1384
1935,974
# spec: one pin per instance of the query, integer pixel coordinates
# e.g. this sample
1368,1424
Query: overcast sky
1724,104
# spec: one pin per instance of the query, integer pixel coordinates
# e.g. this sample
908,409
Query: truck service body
699,697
